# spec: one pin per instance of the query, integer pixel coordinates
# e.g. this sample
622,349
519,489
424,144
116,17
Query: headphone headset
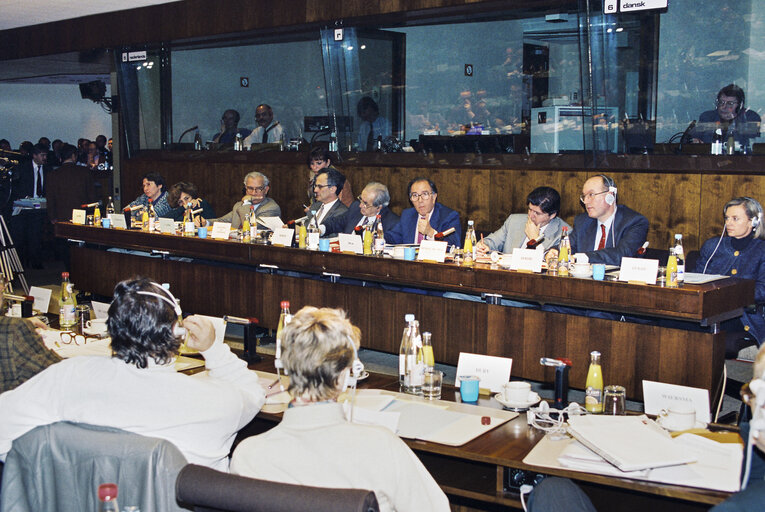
612,190
757,207
178,329
352,375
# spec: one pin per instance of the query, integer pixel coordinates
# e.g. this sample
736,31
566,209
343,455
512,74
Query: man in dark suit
329,182
374,200
27,227
426,219
607,232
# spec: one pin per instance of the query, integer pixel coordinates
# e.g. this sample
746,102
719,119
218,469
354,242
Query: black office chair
208,490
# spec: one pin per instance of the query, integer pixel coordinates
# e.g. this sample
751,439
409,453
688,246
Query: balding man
256,186
607,232
268,130
373,201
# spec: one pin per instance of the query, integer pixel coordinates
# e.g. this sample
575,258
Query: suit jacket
511,234
348,221
442,219
267,208
337,210
69,187
627,234
24,185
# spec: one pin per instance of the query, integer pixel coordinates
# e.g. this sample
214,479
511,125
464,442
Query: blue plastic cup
106,222
598,271
409,253
324,244
202,232
469,388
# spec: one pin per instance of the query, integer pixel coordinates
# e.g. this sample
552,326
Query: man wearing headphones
730,116
314,444
138,389
607,232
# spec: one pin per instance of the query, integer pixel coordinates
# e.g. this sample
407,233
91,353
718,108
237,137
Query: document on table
717,466
696,278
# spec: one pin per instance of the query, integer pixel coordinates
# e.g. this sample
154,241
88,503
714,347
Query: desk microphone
643,249
91,205
132,208
187,131
444,234
297,221
684,136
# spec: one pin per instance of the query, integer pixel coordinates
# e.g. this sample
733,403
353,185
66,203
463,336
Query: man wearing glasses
326,189
426,219
607,232
374,200
731,117
255,190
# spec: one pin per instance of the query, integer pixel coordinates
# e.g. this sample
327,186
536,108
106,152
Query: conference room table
476,475
227,277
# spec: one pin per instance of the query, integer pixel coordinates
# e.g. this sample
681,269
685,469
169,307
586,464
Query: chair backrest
60,466
208,490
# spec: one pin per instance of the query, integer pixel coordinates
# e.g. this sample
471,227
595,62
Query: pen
274,383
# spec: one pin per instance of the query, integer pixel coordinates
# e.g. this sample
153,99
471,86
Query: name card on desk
283,237
221,230
493,371
100,309
639,269
432,250
527,259
42,298
78,216
166,225
658,396
350,243
117,220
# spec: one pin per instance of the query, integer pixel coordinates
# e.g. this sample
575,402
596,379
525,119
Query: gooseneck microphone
684,136
187,131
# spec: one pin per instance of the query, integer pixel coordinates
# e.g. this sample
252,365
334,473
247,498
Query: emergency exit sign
614,6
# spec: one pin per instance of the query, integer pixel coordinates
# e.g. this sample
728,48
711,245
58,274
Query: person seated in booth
229,128
268,130
426,218
539,228
740,252
256,186
314,444
138,389
154,189
730,116
373,201
372,126
320,159
607,232
185,194
327,205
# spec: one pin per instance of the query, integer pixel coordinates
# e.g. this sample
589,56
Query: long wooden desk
476,474
227,277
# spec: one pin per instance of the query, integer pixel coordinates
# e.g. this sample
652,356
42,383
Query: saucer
660,420
517,406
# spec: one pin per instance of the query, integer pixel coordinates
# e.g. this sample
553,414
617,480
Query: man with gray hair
255,190
373,201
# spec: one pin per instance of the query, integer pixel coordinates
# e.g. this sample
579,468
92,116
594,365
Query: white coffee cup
582,269
516,392
679,416
97,325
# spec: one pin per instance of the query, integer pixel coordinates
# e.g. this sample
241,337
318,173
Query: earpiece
612,190
352,375
178,329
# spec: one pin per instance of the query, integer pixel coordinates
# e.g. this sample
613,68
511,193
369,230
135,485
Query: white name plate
283,237
493,371
78,216
658,396
221,230
350,243
117,220
42,298
639,269
432,250
527,259
166,225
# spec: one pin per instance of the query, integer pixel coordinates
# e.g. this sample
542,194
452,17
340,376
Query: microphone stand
187,131
684,136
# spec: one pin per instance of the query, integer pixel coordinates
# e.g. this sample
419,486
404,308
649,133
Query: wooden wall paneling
570,188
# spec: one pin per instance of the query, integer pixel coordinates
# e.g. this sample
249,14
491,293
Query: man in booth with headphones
137,389
314,444
730,116
607,232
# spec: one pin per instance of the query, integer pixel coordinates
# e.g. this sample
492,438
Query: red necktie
602,243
